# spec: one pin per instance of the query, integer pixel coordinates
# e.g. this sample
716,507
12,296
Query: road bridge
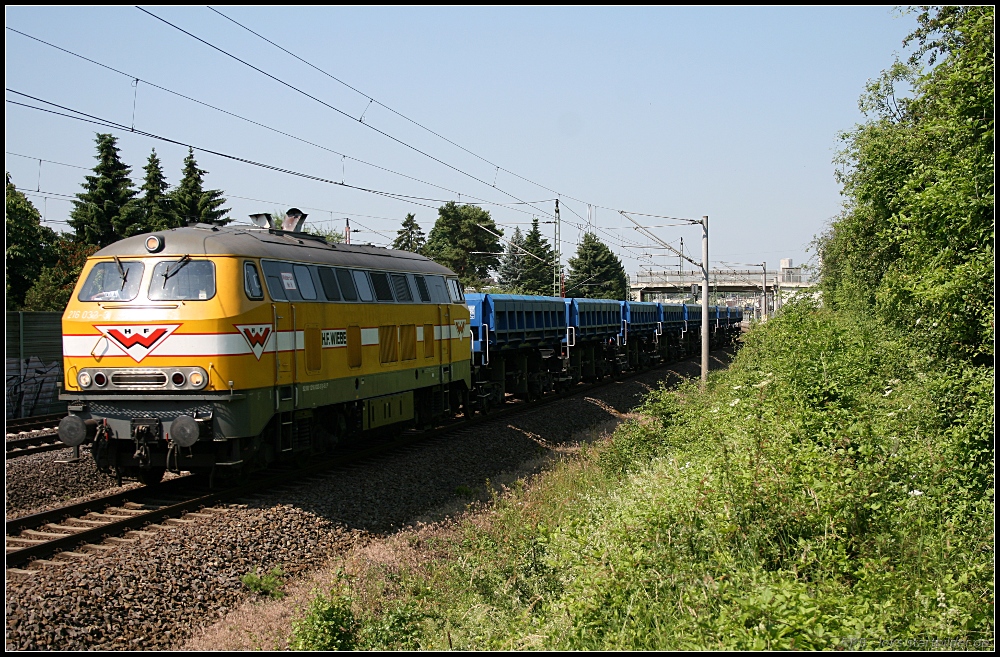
731,287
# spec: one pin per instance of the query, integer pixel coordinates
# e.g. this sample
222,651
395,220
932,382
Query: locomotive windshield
183,280
112,281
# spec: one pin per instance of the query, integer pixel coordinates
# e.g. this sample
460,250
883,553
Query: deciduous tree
915,241
28,247
464,240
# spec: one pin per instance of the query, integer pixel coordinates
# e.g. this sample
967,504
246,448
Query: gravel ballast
155,592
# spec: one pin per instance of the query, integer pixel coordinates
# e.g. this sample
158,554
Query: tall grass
834,485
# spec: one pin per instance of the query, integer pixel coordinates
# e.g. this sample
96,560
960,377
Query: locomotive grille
139,379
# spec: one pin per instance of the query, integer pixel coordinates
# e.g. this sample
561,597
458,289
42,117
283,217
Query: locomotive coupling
74,430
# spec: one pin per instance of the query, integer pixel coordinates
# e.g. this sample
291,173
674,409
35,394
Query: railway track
32,435
35,423
97,525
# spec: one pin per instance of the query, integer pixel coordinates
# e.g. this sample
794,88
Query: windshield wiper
121,272
175,268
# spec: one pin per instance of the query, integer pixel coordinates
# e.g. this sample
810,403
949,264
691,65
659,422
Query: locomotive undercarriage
141,440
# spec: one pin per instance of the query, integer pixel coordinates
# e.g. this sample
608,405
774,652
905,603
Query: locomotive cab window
183,280
251,282
112,281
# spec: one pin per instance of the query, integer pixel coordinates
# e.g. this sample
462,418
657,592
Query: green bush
268,585
835,484
328,624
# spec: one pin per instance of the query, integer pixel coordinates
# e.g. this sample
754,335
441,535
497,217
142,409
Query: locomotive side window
381,282
401,287
112,281
273,277
422,290
364,287
305,282
455,288
251,282
347,287
439,293
183,280
281,281
329,280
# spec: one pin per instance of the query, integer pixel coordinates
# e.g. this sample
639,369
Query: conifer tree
106,211
595,272
462,240
155,203
194,203
509,273
536,273
409,237
28,246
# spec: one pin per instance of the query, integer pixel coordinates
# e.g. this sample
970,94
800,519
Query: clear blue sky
729,112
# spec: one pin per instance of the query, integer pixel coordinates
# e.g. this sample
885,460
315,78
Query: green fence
34,364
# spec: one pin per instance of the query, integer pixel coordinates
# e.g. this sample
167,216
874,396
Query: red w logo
129,341
137,341
257,337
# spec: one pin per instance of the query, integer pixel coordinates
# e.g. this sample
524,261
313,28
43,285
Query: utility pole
557,265
704,279
763,291
704,301
347,230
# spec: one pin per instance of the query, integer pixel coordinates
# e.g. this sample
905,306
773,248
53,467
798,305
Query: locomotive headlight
84,380
154,243
197,379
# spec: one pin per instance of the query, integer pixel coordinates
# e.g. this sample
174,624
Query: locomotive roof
205,240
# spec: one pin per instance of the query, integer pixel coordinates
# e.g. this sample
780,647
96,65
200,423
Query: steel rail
17,556
17,425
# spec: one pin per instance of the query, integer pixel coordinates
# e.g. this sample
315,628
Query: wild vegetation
833,488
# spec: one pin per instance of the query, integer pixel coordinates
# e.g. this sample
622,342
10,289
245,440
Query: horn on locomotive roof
262,220
294,219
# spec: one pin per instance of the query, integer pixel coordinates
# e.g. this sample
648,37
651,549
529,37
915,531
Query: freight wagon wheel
151,476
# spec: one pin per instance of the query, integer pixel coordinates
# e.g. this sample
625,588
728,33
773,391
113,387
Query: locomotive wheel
151,476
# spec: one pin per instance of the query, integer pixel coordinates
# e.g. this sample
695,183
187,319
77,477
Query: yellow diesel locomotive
221,349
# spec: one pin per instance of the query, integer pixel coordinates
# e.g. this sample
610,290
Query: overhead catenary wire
270,128
401,197
372,100
338,110
107,123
